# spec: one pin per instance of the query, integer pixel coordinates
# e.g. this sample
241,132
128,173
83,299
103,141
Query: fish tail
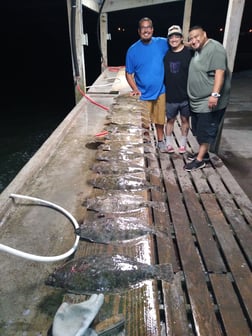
164,272
161,233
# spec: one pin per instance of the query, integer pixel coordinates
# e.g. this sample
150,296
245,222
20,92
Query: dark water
20,138
37,86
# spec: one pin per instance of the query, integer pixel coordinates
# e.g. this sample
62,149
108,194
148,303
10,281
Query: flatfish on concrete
126,137
115,128
121,146
125,155
135,120
106,273
116,203
118,167
114,229
121,202
129,107
121,182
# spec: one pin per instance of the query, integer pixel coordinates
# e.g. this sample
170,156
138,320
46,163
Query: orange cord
115,69
91,100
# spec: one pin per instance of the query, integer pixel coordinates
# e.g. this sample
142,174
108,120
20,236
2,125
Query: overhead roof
111,6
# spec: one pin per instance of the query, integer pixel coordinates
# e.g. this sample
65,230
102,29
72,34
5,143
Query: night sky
35,45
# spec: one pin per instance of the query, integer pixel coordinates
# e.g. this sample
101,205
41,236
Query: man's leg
169,140
185,113
158,116
185,126
203,149
160,132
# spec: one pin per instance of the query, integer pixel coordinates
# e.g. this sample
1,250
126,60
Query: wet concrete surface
58,173
236,142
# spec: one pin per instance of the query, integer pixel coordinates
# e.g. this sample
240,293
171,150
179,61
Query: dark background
37,87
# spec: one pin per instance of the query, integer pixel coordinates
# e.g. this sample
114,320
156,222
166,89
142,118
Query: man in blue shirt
145,74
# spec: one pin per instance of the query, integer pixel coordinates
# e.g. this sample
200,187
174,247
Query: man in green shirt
208,88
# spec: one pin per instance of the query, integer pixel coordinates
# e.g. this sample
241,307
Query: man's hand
135,93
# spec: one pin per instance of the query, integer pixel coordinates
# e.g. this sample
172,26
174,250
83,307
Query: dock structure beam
77,39
103,39
231,34
187,18
232,29
230,41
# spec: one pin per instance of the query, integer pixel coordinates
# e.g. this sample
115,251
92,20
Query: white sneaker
170,149
182,149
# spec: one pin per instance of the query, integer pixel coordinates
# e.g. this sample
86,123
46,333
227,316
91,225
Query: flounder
121,182
106,273
120,167
123,155
115,128
121,202
114,229
116,203
121,146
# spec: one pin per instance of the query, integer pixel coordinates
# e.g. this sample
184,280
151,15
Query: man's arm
218,80
218,83
130,79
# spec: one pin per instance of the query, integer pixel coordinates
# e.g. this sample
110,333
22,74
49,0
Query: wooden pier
208,241
204,216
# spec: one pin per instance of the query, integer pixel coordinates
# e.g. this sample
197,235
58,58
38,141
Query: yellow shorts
157,110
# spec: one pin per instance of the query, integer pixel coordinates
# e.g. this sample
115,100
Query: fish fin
92,240
110,326
164,272
161,233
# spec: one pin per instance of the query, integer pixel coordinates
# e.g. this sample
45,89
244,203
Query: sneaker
170,149
194,165
182,150
193,156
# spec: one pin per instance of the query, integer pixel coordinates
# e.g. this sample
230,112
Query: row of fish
119,213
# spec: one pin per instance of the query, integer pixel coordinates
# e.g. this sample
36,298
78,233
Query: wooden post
103,39
77,38
187,18
232,29
230,41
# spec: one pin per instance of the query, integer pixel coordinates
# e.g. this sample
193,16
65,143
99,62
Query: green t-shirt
201,77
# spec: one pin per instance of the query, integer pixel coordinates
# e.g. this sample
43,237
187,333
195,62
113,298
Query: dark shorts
172,109
205,126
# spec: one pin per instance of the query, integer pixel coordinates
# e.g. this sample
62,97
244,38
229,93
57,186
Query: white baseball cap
174,30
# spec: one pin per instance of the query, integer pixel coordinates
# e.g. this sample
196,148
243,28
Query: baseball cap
174,30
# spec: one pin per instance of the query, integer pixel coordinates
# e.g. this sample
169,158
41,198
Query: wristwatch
215,94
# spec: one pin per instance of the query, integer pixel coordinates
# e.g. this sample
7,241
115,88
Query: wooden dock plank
234,257
175,308
229,306
234,188
202,306
235,204
233,213
203,232
162,221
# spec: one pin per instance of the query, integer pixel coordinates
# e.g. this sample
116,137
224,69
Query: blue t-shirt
145,61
